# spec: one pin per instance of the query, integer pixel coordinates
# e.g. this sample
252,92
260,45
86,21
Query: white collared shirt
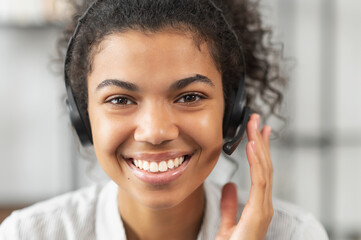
92,213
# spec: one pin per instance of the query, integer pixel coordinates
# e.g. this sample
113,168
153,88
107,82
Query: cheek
205,129
206,132
209,131
108,131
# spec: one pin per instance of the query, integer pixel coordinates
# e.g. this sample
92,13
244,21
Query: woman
154,83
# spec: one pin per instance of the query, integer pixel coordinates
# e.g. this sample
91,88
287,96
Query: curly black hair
201,18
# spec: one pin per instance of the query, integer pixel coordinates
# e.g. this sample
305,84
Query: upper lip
157,157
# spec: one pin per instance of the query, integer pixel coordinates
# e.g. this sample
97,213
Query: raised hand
258,212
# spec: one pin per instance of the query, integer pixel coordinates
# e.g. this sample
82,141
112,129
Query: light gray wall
34,141
317,160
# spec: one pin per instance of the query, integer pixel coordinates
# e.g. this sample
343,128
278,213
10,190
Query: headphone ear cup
230,146
235,113
236,120
227,130
80,126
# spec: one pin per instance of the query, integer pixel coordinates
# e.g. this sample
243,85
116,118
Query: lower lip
159,178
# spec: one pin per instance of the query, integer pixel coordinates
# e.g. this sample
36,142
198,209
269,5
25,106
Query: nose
156,125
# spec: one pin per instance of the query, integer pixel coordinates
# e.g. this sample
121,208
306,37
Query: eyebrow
119,83
180,84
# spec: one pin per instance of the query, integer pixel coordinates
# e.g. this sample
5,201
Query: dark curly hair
206,24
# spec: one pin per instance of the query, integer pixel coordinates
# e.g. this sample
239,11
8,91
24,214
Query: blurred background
317,158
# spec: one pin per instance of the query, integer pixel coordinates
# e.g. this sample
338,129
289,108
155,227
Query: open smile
163,166
159,172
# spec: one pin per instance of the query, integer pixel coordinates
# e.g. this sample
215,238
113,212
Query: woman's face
155,100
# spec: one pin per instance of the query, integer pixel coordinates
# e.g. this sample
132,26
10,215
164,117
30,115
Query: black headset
234,122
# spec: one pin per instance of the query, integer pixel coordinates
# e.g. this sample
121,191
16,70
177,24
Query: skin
157,118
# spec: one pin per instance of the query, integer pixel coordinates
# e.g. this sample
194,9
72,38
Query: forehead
166,54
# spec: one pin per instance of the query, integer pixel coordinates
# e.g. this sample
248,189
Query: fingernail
253,145
255,124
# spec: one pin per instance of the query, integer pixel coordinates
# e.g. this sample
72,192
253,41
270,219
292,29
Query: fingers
258,212
257,173
254,133
260,140
259,209
266,132
229,205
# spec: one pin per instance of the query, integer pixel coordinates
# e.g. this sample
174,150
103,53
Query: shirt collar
212,215
108,222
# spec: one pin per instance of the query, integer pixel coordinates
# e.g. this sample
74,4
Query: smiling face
155,100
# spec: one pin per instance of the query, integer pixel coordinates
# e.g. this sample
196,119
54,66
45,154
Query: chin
166,198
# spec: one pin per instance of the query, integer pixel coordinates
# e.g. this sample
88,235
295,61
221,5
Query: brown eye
191,98
121,101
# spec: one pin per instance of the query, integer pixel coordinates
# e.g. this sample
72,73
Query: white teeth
176,162
170,164
145,165
154,167
163,166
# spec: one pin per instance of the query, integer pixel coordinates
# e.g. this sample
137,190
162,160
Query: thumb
229,205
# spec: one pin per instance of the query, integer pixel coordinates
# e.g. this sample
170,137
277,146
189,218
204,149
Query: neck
182,221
